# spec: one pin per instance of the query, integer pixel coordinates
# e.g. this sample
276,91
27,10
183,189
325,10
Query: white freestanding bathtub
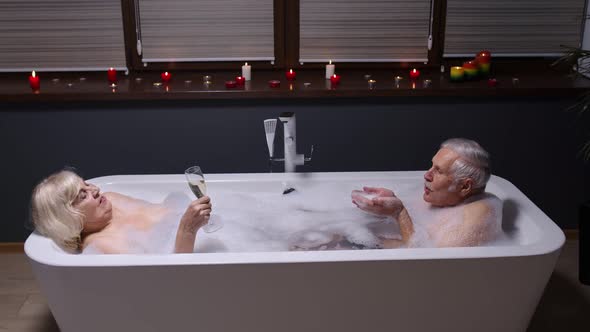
492,288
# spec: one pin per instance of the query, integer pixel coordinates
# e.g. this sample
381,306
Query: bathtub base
438,295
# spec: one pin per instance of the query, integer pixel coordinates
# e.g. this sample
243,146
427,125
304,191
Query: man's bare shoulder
479,210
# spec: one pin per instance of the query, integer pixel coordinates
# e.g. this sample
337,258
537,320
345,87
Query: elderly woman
78,217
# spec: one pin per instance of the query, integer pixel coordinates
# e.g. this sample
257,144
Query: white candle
330,70
247,71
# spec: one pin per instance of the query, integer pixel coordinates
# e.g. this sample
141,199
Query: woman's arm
197,215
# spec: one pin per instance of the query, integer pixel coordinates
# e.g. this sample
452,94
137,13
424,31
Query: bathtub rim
551,237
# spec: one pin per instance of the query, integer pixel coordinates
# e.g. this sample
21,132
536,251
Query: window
68,35
359,31
512,28
206,30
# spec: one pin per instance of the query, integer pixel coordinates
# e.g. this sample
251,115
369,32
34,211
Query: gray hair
473,161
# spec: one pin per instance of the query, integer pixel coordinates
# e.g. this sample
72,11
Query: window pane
512,28
206,30
61,35
367,31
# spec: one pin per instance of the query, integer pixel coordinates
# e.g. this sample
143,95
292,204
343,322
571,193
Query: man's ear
466,187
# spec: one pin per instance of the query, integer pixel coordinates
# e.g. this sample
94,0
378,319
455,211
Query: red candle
112,75
240,80
483,57
492,82
274,83
230,84
470,68
166,76
34,81
414,73
290,75
335,79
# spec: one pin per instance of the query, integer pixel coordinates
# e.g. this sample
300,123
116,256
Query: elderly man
460,212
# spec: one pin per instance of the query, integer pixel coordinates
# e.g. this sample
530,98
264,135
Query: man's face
438,185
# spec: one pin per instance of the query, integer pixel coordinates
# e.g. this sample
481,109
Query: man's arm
405,225
406,231
386,204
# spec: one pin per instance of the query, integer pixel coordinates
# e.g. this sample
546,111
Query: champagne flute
196,181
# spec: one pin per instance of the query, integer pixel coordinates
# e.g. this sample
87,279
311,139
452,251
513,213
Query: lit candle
290,75
492,82
166,76
247,71
240,80
335,79
398,80
330,68
372,84
34,81
457,73
470,69
274,83
112,75
483,61
230,84
414,73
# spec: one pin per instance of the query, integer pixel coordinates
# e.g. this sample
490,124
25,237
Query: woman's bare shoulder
118,197
106,243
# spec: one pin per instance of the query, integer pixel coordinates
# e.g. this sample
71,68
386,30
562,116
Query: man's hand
380,192
379,201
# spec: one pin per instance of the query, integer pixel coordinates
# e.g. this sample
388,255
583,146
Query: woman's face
95,207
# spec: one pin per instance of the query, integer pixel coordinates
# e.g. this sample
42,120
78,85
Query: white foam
314,216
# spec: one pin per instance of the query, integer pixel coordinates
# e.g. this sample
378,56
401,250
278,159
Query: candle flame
330,62
246,64
291,71
111,68
33,74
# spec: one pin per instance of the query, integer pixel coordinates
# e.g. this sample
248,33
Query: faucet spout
291,157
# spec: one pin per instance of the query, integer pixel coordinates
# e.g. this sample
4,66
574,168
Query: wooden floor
565,305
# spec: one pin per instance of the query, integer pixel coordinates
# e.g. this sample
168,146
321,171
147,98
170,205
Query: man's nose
428,175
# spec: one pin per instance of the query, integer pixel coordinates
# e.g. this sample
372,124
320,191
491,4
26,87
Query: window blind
66,35
512,28
206,30
364,31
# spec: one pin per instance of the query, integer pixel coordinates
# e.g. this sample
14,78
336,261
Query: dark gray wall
534,143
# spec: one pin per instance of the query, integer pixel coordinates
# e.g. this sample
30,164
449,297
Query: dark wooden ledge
542,82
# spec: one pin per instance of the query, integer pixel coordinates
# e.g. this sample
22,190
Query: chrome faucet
292,158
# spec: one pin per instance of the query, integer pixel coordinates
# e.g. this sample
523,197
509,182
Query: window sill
190,86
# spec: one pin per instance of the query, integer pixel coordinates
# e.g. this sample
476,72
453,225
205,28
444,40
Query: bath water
316,216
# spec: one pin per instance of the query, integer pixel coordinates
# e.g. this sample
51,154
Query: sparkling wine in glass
196,181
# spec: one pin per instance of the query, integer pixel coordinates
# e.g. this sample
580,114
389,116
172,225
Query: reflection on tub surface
317,216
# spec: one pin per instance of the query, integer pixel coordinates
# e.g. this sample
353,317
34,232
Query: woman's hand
383,203
196,215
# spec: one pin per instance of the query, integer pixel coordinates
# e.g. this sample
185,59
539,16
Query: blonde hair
53,213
